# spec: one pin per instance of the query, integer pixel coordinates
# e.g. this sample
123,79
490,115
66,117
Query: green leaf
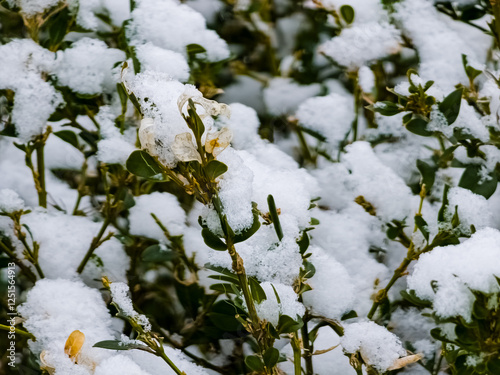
214,169
276,294
493,366
68,136
194,121
223,315
254,363
249,232
123,96
194,49
385,108
144,165
258,293
271,357
437,334
413,299
465,335
349,315
233,279
471,180
418,125
450,106
224,288
120,345
314,221
303,243
469,70
392,232
428,174
444,203
313,133
58,26
309,269
288,325
155,254
347,13
212,241
274,216
422,226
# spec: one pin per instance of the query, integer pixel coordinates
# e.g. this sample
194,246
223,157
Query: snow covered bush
250,187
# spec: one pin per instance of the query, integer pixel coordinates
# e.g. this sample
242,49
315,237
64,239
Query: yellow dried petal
74,344
405,361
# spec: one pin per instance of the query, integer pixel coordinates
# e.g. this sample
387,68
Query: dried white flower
147,135
211,107
216,142
184,149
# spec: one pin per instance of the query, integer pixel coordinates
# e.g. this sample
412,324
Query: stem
410,256
162,354
22,237
296,355
495,4
18,262
304,146
96,242
357,94
242,278
40,165
382,294
81,187
18,331
307,347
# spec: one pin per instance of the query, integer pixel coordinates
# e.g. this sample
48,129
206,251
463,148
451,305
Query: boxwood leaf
271,357
347,13
144,165
215,168
254,363
450,106
212,241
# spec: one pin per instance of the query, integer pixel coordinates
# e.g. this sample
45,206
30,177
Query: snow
439,43
270,309
283,95
114,147
23,64
10,201
378,184
166,208
324,300
33,7
55,308
455,281
472,209
362,44
378,347
61,252
244,124
235,191
119,294
331,116
162,60
366,79
86,67
173,26
119,365
468,122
